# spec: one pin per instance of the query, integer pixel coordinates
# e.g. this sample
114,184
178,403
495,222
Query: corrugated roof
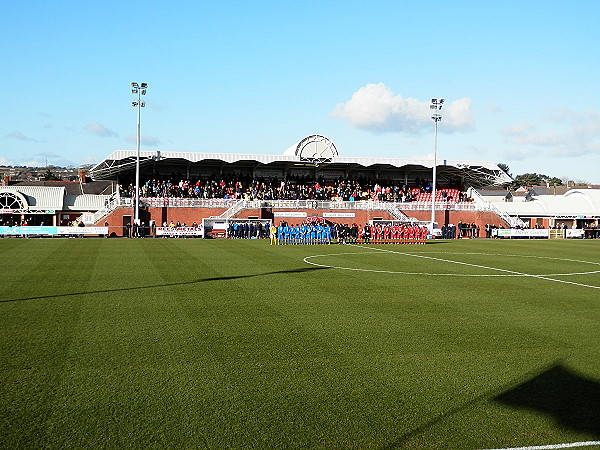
40,197
73,187
85,202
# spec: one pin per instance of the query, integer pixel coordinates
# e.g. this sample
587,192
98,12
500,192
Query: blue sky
519,79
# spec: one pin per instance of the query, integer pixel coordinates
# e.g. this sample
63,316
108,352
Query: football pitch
184,343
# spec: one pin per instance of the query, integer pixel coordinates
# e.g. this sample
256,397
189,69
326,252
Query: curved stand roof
311,151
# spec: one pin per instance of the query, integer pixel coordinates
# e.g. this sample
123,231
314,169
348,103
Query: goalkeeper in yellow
273,234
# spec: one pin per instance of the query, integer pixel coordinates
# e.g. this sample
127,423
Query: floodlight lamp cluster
141,88
138,89
436,104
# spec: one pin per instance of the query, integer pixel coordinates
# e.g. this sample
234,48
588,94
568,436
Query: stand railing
232,211
113,202
234,206
396,213
513,222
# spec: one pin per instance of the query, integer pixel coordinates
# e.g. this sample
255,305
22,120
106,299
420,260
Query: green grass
182,343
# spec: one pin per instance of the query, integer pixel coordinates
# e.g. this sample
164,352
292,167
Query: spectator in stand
293,188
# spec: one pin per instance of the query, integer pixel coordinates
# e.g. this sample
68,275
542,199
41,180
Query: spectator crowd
298,188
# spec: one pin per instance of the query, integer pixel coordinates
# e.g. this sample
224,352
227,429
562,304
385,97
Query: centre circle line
516,274
485,267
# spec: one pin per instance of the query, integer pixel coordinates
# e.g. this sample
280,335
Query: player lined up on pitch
304,234
393,234
323,233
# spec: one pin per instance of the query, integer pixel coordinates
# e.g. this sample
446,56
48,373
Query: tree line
531,179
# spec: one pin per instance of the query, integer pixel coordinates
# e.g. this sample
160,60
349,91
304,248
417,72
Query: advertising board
179,232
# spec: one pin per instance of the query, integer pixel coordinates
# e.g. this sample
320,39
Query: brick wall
118,219
446,217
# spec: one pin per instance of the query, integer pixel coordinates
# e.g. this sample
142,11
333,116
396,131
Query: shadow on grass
429,242
152,286
572,400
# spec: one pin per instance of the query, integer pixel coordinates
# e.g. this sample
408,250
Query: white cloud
21,137
549,139
428,156
45,158
576,150
49,155
35,163
560,114
518,129
89,159
458,116
17,135
149,141
493,107
6,162
517,155
476,149
572,134
154,106
374,107
99,130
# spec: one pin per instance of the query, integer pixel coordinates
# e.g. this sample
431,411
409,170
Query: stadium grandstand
308,181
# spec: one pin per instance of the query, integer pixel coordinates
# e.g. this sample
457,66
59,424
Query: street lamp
139,90
436,105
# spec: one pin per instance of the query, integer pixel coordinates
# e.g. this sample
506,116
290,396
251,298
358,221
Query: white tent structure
576,203
578,207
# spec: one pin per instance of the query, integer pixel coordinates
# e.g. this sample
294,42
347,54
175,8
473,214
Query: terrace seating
441,195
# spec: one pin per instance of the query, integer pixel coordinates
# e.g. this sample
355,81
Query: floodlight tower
139,103
436,105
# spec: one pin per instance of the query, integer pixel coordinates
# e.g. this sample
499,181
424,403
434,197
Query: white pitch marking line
490,268
358,269
505,255
486,267
552,446
306,260
516,274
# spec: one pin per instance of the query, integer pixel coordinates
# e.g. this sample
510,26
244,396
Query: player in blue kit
304,234
319,239
327,234
286,234
313,234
